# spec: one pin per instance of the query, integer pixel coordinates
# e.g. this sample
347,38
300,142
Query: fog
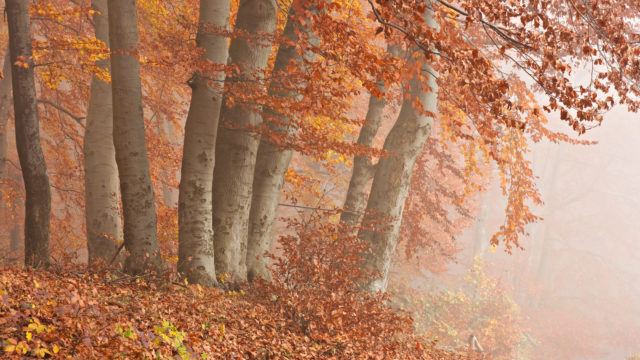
576,280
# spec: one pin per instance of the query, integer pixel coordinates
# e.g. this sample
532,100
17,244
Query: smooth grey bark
170,193
363,169
236,146
390,187
195,250
138,203
32,162
14,238
273,160
104,226
5,103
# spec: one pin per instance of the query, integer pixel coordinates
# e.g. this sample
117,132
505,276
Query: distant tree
5,104
104,226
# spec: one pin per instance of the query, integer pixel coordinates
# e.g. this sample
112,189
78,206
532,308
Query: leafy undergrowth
73,313
313,308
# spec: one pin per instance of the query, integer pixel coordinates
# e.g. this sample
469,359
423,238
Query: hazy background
576,281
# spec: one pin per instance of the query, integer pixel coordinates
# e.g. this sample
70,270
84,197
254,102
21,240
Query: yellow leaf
22,348
56,348
42,352
29,336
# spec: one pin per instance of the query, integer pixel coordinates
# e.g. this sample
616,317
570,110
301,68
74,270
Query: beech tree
5,112
237,142
196,251
138,203
392,177
32,162
5,99
103,221
363,168
272,159
391,182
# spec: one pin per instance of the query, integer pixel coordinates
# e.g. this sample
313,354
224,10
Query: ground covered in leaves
73,313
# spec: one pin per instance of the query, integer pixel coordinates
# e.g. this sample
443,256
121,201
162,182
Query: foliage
70,312
487,115
316,286
481,306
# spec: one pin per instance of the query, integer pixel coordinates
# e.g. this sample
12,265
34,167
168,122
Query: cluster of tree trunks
231,178
237,146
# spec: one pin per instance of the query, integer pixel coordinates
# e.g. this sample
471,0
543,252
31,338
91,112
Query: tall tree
103,221
32,162
5,104
363,168
273,160
236,146
481,237
5,99
390,187
196,251
138,201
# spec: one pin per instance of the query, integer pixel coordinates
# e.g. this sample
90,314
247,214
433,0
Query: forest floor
72,313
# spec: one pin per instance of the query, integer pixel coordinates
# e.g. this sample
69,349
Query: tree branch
62,109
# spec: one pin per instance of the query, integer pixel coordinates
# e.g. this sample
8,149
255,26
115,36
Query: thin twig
116,254
308,207
60,108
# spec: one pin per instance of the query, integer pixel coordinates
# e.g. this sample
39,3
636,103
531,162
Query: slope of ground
72,313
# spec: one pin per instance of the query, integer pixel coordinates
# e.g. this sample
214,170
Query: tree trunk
196,253
103,222
390,187
236,147
543,233
5,100
138,204
32,162
14,239
481,238
272,160
363,169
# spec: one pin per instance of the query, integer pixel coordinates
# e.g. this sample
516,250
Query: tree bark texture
196,250
236,146
5,101
32,162
104,226
138,204
390,187
363,169
273,160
